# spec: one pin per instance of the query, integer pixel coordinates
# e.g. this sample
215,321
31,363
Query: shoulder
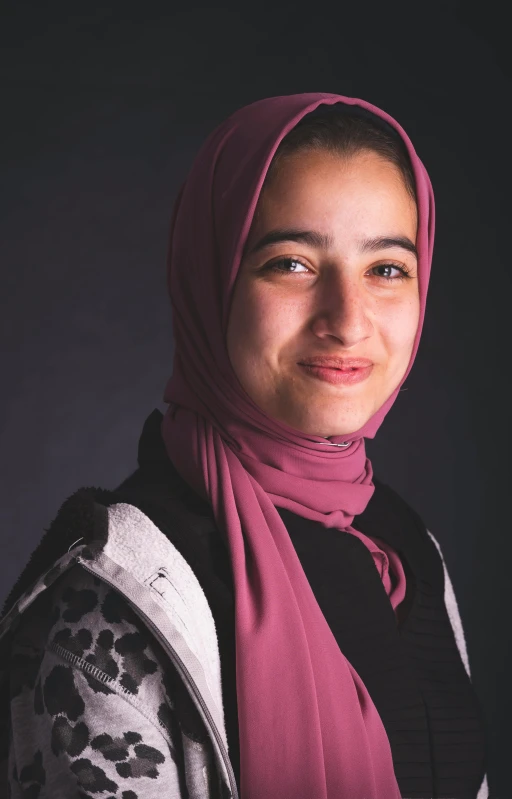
390,517
387,498
405,529
82,516
387,510
87,627
67,616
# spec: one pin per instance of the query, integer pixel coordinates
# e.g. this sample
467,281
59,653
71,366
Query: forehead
327,190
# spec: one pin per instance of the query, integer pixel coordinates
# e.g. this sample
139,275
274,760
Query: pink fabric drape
308,727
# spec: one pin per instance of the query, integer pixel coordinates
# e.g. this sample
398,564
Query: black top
410,665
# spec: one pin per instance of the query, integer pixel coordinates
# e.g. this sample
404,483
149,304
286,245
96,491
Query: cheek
267,321
250,335
399,324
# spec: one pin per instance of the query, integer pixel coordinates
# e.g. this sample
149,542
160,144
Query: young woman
252,613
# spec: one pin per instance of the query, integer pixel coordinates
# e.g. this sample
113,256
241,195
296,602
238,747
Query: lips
338,377
331,362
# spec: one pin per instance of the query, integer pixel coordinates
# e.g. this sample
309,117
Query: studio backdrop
103,111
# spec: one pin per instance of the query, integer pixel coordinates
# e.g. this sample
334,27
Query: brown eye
282,264
403,272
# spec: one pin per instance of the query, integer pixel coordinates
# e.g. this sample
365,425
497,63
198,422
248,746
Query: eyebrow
314,238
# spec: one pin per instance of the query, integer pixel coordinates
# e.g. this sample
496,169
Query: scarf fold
307,725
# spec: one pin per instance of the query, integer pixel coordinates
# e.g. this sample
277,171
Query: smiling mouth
345,376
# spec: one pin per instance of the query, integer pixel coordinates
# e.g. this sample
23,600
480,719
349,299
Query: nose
341,310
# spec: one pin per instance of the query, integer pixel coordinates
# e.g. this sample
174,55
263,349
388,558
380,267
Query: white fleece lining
458,630
139,546
453,611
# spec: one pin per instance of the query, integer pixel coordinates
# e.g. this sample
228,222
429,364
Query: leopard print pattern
91,693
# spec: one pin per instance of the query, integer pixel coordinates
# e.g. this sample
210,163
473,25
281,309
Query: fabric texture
92,706
248,465
85,658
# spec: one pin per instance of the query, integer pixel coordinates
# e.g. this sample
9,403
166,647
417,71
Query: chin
327,428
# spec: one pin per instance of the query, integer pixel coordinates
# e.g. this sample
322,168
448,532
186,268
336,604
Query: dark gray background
103,108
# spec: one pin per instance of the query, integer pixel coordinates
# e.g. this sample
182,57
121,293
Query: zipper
183,669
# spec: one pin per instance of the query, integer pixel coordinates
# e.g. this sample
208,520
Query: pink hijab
308,727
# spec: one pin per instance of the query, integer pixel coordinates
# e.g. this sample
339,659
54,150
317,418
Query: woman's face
321,276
